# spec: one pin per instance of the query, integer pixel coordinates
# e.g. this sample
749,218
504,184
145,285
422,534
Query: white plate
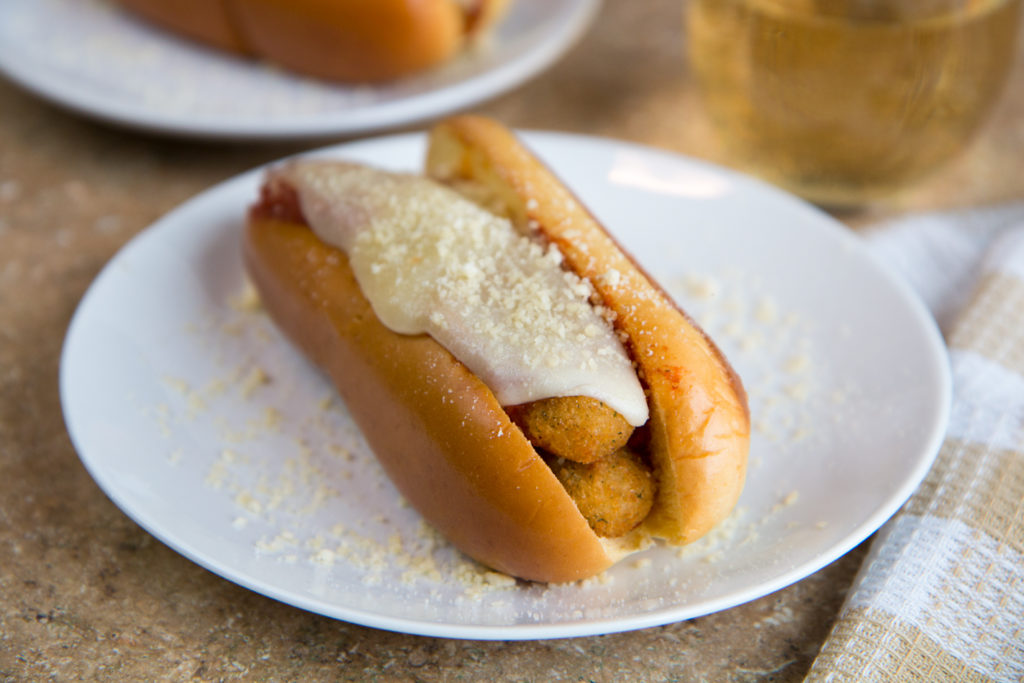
90,57
204,426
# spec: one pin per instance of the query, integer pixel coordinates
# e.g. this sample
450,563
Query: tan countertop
86,594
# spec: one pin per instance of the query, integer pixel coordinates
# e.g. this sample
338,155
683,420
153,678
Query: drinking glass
847,101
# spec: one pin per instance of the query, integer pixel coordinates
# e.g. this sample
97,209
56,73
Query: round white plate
90,57
204,426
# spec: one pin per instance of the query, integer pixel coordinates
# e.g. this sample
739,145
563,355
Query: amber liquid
843,101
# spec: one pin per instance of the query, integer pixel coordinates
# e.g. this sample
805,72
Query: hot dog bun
700,425
440,433
342,40
207,21
437,430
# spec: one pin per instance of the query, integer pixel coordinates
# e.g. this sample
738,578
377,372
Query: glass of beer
847,101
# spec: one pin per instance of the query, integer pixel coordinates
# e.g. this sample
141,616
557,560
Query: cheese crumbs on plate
291,456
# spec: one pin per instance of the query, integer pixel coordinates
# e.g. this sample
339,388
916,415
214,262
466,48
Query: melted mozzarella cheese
430,261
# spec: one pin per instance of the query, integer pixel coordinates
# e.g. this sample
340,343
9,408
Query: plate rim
583,627
458,95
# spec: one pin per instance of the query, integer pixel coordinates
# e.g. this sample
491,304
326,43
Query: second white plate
90,57
201,423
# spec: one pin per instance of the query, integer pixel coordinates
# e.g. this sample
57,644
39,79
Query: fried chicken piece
578,428
614,494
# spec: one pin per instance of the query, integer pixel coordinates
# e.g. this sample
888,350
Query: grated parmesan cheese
430,261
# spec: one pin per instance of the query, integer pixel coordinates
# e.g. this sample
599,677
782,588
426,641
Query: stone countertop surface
86,594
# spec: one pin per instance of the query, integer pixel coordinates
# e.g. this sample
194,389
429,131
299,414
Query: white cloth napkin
940,596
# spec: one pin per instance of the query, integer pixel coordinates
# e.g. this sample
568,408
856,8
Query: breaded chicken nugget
614,494
578,428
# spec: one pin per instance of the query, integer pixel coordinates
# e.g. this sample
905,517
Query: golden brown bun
699,425
351,40
344,40
440,434
438,431
204,20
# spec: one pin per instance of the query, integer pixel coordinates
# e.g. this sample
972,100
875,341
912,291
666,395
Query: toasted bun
344,40
439,433
207,21
699,425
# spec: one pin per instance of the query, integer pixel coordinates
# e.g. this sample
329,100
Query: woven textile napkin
940,596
